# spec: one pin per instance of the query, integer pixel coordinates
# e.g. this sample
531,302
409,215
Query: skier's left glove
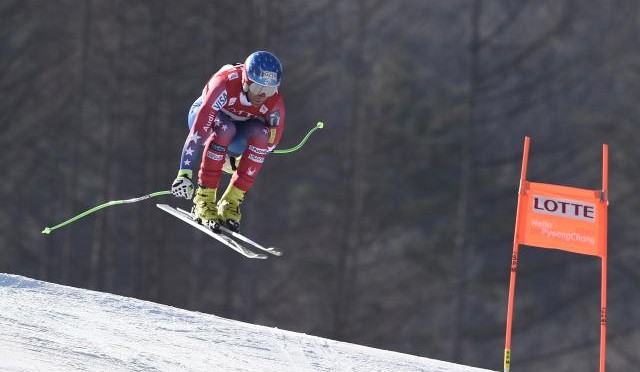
182,186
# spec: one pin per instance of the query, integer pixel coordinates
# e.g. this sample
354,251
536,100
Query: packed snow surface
49,327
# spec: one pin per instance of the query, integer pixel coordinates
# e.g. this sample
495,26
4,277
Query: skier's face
259,93
256,99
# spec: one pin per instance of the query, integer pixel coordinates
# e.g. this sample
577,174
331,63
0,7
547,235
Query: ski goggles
259,89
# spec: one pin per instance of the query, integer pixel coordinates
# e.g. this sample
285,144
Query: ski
222,238
273,250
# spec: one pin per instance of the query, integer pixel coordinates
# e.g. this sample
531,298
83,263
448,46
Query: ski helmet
262,73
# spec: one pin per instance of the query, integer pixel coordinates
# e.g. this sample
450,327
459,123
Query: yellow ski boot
229,208
204,206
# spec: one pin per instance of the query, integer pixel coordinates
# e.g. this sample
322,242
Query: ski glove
182,186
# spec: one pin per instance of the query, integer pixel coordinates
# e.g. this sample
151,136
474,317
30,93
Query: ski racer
236,122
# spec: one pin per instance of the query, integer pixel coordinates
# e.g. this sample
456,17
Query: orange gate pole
514,259
603,255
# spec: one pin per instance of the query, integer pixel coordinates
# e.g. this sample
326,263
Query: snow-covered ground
49,327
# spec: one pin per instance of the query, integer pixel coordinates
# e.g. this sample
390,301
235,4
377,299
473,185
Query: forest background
397,219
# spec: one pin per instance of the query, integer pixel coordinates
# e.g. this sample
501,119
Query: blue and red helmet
262,73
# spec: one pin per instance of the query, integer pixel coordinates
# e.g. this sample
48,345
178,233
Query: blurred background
397,219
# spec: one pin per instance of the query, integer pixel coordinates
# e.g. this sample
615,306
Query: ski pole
48,230
319,125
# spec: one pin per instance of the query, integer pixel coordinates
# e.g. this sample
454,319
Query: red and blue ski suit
223,122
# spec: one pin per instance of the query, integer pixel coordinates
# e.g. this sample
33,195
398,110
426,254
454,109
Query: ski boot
204,207
229,208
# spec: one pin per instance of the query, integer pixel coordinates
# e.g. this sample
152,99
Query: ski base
273,250
236,235
222,238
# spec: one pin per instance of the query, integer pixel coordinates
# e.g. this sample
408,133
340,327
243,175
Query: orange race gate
565,218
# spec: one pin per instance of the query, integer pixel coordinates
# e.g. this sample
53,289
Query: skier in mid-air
236,122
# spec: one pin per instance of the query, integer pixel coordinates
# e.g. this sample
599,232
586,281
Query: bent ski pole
319,125
48,230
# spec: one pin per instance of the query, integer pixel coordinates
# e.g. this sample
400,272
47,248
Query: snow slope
49,327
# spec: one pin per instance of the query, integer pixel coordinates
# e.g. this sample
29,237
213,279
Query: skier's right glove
182,186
